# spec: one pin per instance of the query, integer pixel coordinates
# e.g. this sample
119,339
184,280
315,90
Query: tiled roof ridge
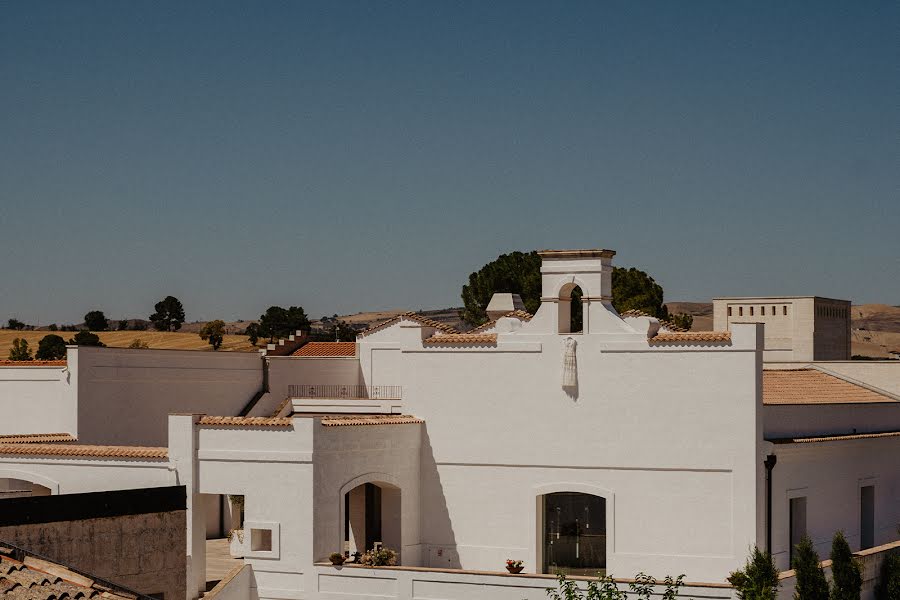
87,451
33,363
246,421
834,437
691,337
671,326
462,338
35,578
326,349
356,420
413,316
34,438
522,315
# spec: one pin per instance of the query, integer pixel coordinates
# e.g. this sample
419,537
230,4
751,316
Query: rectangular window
866,517
740,311
798,523
784,310
729,311
261,540
751,311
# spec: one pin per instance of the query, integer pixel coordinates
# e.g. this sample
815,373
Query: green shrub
811,581
845,571
758,580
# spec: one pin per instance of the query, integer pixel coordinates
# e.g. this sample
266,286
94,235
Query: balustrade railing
355,392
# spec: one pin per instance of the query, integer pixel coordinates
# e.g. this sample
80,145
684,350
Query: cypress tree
845,571
811,582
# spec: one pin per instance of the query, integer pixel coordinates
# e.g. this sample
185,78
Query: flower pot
514,570
337,561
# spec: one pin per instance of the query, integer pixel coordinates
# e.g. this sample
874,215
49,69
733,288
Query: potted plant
336,558
379,557
514,566
236,543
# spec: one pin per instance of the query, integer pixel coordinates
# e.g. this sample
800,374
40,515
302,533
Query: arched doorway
372,517
20,488
571,310
573,533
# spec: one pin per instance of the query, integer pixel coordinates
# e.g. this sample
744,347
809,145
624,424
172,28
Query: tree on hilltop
51,347
20,350
214,333
15,325
95,320
169,314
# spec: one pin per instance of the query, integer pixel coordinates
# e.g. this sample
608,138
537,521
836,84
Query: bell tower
590,271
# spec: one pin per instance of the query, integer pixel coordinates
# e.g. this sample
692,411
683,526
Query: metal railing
357,392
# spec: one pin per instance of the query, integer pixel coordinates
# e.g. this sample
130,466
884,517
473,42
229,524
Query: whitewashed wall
125,395
670,436
829,475
272,468
285,371
348,583
349,456
798,420
38,399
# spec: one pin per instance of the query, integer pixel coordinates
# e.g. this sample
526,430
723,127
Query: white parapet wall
410,583
41,397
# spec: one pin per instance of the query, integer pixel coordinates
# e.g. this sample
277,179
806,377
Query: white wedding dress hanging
570,367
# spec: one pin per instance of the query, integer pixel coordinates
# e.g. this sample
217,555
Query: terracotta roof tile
691,337
836,438
36,438
811,386
33,363
456,339
326,349
37,579
522,315
669,326
86,451
247,421
336,421
412,316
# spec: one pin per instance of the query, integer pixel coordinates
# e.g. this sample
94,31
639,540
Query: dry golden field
122,339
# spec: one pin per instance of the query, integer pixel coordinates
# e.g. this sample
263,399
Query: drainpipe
769,463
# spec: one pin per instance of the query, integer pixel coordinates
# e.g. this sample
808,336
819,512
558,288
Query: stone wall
146,553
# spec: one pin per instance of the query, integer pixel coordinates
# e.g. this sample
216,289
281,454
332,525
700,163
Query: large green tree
278,322
51,347
95,320
169,314
86,338
520,273
214,333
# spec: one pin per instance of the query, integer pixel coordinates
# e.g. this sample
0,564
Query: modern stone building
797,328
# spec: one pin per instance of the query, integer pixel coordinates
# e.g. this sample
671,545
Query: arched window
571,311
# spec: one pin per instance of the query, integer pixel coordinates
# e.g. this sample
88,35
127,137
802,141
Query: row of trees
758,580
51,346
168,316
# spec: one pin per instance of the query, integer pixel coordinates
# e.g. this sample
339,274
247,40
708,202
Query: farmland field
122,339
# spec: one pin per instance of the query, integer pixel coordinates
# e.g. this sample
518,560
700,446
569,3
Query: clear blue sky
361,155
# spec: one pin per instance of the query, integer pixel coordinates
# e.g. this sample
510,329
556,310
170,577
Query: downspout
769,463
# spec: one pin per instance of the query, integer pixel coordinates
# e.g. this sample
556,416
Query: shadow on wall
438,539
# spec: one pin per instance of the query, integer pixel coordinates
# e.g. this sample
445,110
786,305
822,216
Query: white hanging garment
570,368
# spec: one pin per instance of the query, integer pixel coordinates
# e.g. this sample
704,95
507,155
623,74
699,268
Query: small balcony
351,399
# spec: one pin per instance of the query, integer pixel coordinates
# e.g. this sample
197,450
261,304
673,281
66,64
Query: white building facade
620,448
